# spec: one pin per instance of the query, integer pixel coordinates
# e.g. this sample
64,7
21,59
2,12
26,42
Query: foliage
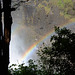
65,6
44,4
32,69
59,57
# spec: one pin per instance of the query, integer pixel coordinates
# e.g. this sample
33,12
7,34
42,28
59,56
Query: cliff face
43,15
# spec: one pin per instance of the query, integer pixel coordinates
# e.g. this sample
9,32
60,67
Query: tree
24,70
58,58
5,34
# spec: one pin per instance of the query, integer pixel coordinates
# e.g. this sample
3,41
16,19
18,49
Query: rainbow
33,47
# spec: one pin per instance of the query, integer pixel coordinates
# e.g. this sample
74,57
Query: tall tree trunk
1,44
7,33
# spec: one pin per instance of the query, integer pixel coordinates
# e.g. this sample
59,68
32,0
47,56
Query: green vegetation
56,59
44,4
66,16
59,57
65,6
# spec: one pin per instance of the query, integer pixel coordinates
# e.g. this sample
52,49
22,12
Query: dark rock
39,18
49,23
71,12
47,15
74,6
41,28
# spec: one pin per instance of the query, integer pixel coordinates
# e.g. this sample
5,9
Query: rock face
42,15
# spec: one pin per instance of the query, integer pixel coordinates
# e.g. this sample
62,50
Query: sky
26,36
